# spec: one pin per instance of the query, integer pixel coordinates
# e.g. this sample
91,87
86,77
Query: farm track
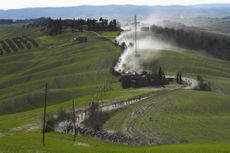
144,108
147,104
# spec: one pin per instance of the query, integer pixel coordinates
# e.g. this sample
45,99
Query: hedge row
17,44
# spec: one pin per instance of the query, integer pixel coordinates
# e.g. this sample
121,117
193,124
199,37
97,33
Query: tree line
55,26
11,21
15,44
196,40
6,21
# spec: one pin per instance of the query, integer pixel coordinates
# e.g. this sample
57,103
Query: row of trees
11,21
55,26
197,40
6,21
16,44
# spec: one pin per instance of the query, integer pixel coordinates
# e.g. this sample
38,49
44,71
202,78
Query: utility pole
104,85
44,116
101,90
135,34
97,94
180,77
93,95
74,121
135,37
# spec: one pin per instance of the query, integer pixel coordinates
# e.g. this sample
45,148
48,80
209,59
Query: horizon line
185,5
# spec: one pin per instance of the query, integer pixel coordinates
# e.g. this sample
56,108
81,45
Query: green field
181,116
110,35
198,120
60,143
71,70
10,26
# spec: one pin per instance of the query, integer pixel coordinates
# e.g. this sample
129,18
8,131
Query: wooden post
180,77
44,116
177,77
86,113
101,90
105,86
74,121
93,96
104,90
97,94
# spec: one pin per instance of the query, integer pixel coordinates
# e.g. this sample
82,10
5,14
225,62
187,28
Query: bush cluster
17,44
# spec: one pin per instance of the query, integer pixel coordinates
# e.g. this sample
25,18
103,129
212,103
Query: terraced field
71,69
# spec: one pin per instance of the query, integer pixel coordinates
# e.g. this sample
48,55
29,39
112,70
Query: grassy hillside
182,116
10,26
71,69
192,63
60,143
110,35
31,120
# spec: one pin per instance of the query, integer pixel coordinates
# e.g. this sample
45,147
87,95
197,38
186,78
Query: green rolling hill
182,116
197,119
60,143
71,70
191,64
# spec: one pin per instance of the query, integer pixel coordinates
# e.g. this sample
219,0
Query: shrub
32,41
203,85
96,117
1,51
62,115
50,123
81,39
25,42
12,45
18,43
5,47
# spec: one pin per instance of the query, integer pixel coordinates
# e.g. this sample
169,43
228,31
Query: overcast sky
14,4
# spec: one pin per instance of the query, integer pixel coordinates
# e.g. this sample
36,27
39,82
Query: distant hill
121,12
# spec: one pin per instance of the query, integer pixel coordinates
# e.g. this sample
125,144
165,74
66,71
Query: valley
78,66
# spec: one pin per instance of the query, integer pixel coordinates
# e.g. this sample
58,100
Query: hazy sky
12,4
